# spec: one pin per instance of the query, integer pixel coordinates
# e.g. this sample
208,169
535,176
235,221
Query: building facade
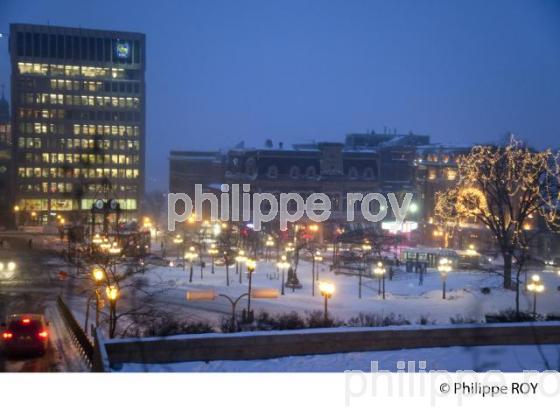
6,215
78,120
371,163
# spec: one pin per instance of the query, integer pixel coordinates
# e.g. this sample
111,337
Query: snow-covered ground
404,296
480,358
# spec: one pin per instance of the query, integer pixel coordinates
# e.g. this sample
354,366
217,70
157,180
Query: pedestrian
30,243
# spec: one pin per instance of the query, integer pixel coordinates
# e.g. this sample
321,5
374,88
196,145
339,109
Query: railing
79,337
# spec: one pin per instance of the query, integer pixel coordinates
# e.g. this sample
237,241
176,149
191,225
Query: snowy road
33,288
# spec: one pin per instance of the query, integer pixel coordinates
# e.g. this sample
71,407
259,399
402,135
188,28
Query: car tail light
43,334
7,335
26,321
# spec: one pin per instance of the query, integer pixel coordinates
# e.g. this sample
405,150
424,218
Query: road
32,288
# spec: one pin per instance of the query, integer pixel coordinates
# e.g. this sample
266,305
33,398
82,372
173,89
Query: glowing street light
239,259
379,271
98,275
314,260
444,267
251,266
112,293
327,290
268,245
535,286
283,264
213,252
191,255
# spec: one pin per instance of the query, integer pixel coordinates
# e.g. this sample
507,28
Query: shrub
510,315
376,320
460,319
425,320
316,319
168,327
485,290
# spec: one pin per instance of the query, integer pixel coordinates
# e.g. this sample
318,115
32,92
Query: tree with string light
503,188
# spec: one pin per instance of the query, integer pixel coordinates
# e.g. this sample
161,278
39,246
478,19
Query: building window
272,172
294,172
451,174
310,172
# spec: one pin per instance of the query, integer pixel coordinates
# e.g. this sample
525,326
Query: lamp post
283,264
268,244
444,267
239,259
112,293
211,295
178,240
251,266
379,271
213,252
316,259
327,290
535,286
191,255
98,276
16,214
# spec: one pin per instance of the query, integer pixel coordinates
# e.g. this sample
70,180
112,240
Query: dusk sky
224,71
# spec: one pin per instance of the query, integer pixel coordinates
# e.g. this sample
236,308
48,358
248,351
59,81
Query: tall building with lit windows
78,120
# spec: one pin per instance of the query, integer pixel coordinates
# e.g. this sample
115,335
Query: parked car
25,333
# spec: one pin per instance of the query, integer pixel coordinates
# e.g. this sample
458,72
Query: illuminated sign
122,49
395,227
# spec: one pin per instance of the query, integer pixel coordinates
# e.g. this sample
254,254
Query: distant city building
370,163
78,105
6,215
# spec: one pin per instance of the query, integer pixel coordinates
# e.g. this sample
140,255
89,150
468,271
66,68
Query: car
25,333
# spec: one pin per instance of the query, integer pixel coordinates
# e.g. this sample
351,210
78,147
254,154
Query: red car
25,333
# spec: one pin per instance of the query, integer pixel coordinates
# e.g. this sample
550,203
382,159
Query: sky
221,72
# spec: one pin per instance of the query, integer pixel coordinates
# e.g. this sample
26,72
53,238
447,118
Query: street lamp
207,295
251,266
98,276
327,290
178,240
16,213
239,259
315,258
283,264
268,244
444,267
190,255
535,286
213,252
379,271
112,293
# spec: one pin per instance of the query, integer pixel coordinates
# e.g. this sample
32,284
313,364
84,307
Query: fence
79,337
